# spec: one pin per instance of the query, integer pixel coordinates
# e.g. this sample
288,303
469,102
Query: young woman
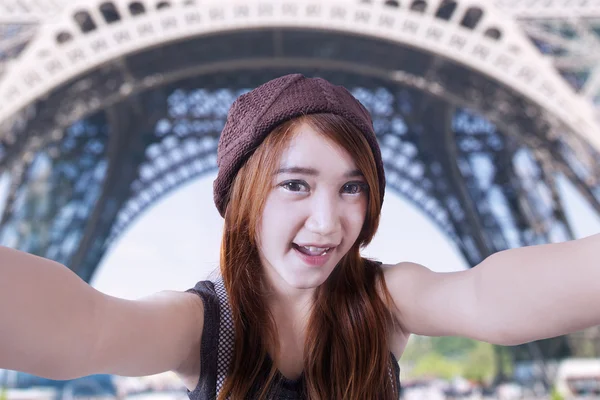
300,186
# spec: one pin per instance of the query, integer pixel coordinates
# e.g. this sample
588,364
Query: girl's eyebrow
313,172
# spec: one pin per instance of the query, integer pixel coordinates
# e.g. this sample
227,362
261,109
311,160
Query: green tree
447,357
480,363
454,347
554,395
434,364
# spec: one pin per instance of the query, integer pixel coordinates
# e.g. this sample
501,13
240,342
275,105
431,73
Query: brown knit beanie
255,114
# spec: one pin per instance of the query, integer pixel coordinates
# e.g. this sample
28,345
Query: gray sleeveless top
217,349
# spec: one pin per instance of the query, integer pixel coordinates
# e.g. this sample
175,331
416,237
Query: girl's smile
312,255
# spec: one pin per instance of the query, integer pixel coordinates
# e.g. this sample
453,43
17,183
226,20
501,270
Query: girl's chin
297,274
305,284
307,278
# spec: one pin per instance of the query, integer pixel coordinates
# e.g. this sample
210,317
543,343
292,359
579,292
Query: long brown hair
346,353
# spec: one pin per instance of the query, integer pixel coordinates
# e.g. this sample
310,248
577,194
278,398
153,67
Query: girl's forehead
309,148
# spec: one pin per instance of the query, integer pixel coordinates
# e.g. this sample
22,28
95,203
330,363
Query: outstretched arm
53,324
512,297
541,291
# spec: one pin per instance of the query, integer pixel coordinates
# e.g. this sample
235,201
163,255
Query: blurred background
486,113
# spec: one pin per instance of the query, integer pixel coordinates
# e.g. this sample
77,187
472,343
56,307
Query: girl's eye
354,187
295,186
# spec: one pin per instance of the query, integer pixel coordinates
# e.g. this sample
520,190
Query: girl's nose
323,218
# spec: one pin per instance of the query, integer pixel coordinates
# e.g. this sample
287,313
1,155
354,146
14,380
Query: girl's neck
290,300
281,295
286,302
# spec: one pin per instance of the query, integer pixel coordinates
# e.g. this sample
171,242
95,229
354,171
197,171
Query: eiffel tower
480,107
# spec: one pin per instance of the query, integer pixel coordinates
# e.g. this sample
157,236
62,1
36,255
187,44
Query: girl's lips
314,261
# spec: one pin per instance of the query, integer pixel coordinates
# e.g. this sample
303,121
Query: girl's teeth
315,251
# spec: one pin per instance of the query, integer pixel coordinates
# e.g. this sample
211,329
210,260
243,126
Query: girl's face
314,212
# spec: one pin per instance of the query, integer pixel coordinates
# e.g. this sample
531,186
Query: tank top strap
226,335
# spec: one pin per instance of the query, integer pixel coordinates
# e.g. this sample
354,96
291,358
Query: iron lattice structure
480,108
